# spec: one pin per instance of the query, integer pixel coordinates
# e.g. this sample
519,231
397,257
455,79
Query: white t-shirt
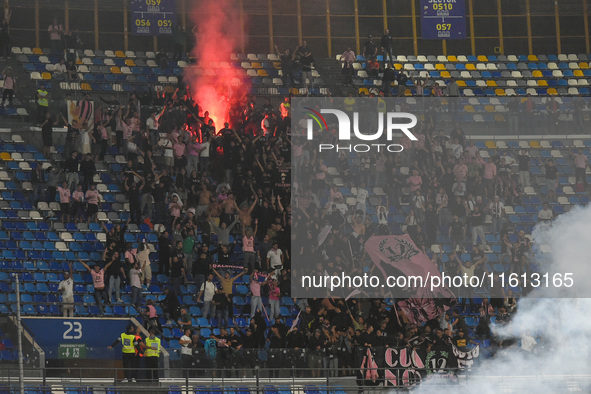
185,349
134,276
362,195
152,124
167,145
545,214
274,257
528,342
67,285
208,289
204,152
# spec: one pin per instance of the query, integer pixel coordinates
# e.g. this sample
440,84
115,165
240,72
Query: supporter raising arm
98,280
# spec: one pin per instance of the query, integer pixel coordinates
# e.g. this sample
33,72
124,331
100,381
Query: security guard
129,342
42,98
152,355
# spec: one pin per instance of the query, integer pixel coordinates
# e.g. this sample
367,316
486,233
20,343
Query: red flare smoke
216,84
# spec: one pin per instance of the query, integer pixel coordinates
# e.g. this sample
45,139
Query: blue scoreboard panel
152,17
443,19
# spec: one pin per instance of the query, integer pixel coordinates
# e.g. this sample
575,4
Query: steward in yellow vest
152,355
129,343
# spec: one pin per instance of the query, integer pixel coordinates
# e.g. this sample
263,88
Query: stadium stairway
332,75
20,109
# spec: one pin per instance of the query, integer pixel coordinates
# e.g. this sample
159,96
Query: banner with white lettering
407,367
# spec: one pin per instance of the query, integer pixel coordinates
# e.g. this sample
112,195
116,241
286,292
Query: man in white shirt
528,343
207,291
66,288
152,126
362,195
59,71
204,154
497,209
275,257
186,350
546,215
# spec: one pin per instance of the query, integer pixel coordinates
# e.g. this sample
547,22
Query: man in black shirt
163,253
221,303
551,179
523,161
177,269
386,44
476,221
387,79
159,194
114,273
71,136
170,306
370,50
457,232
88,170
71,168
307,64
133,194
286,59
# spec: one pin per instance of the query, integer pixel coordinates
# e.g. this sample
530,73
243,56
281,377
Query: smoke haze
215,83
562,327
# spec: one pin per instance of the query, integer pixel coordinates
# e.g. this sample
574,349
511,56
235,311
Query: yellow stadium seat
262,73
440,67
489,108
535,144
470,67
79,61
294,91
482,58
500,92
407,92
115,70
532,58
398,66
256,65
491,83
537,74
552,91
452,58
364,91
445,74
46,75
542,82
578,73
85,86
499,118
119,53
129,63
584,65
469,108
491,145
5,156
38,51
277,65
461,83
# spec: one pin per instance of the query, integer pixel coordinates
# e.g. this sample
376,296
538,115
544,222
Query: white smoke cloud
561,326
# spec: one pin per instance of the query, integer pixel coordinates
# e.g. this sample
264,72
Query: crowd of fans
203,189
202,186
